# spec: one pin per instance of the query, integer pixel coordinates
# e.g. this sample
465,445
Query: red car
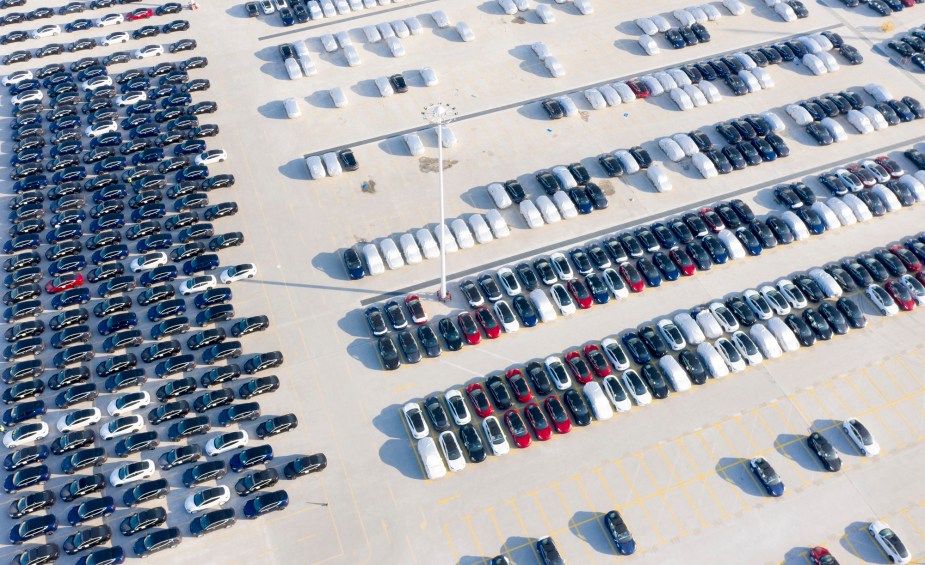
632,277
538,422
488,322
479,400
638,87
139,14
821,556
579,291
921,276
597,360
64,282
579,367
469,329
517,382
890,165
518,429
683,261
901,295
418,315
910,261
712,219
866,177
558,416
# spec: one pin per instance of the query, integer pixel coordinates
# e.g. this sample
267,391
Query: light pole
440,114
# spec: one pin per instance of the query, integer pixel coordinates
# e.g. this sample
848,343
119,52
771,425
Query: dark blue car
353,264
649,272
620,535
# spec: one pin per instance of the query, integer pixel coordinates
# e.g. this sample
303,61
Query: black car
83,459
143,520
159,540
202,472
82,487
143,492
258,386
305,465
32,502
275,426
578,407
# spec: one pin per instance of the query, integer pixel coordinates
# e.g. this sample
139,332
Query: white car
734,6
862,438
27,96
201,283
704,165
352,56
495,436
671,149
462,234
17,77
148,261
695,94
429,77
648,45
558,372
148,51
128,403
555,68
785,12
531,214
730,355
724,317
109,20
878,92
496,223
683,16
506,317
634,386
858,208
775,300
658,176
428,244
372,34
563,299
835,129
410,249
765,341
671,334
564,205
207,498
96,130
97,82
211,156
693,334
331,164
615,283
509,281
784,335
568,105
794,295
674,373
616,394
679,77
49,30
661,23
882,300
758,304
545,14
451,451
25,433
777,124
414,417
79,419
595,98
655,87
708,323
130,98
115,38
625,92
826,282
480,229
561,266
441,19
710,92
889,542
610,95
799,114
132,472
915,288
875,117
456,406
122,426
315,167
226,442
747,348
465,32
665,80
267,7
646,26
238,272
615,354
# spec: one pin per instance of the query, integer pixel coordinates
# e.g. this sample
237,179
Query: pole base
444,296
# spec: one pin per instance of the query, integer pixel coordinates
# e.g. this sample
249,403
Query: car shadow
735,470
587,527
394,146
631,46
364,351
492,8
366,88
629,28
238,11
832,431
401,455
273,110
477,197
536,112
354,324
858,542
321,99
529,62
330,264
794,447
275,70
520,549
472,560
797,555
294,169
269,54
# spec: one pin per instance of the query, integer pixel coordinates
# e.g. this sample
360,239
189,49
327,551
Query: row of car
764,323
882,8
84,44
73,8
304,10
911,47
53,30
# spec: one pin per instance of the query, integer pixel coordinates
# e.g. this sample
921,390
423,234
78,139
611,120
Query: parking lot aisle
706,472
518,540
894,419
658,505
710,437
854,405
915,517
785,441
625,497
671,465
582,523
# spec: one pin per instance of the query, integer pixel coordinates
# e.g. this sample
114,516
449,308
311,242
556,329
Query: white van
658,177
531,214
497,224
826,282
413,141
732,244
373,260
430,458
712,360
675,374
547,209
292,108
858,208
543,305
564,177
480,229
462,234
315,167
689,328
499,196
428,244
630,165
565,205
410,249
391,254
784,335
796,225
709,324
765,341
598,401
841,210
338,97
293,69
448,241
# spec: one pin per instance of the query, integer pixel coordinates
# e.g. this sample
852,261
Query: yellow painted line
414,555
912,428
743,461
905,514
591,506
870,408
845,540
385,530
661,494
702,477
423,519
875,544
812,456
522,527
468,520
799,468
404,387
539,507
574,527
494,522
890,376
721,472
448,499
683,486
392,494
449,540
637,499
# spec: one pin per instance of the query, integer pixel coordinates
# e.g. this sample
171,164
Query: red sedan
821,556
488,322
64,282
712,219
910,261
518,429
139,14
479,400
901,295
683,261
921,276
418,315
581,294
632,277
515,378
639,88
469,329
558,415
538,422
579,367
597,360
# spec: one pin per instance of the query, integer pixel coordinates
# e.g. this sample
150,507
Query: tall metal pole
440,114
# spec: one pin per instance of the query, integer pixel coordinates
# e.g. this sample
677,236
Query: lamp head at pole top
439,113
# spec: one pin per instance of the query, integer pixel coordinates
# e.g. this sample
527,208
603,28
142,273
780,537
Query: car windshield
494,431
558,372
768,474
615,389
576,403
561,295
863,433
617,354
639,389
452,448
536,416
225,440
417,421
